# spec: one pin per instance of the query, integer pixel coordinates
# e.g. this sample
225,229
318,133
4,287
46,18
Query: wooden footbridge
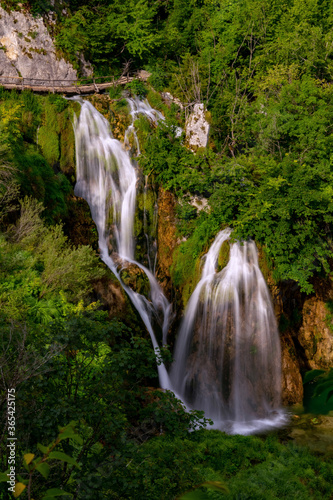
70,87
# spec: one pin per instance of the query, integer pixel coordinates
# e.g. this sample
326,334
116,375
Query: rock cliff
27,50
197,128
315,334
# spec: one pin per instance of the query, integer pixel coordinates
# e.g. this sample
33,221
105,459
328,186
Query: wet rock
166,237
292,385
314,432
135,278
224,255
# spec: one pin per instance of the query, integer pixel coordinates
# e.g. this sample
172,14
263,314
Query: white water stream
137,108
106,179
227,357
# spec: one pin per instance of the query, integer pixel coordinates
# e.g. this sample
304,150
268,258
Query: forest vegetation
88,406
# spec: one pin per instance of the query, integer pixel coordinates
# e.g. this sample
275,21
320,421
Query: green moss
48,137
146,203
190,285
115,92
56,136
156,101
224,255
121,106
194,247
33,34
67,141
265,264
143,129
138,225
136,279
48,140
208,117
149,202
329,316
118,116
318,391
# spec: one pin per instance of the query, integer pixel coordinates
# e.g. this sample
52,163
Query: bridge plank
70,89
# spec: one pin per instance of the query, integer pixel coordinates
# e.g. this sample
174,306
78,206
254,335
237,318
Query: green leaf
62,456
311,375
28,457
19,488
4,476
21,480
43,449
55,492
44,469
69,433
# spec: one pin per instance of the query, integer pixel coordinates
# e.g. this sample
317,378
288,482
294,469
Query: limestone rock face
27,50
135,278
167,240
199,202
292,386
315,335
197,128
170,98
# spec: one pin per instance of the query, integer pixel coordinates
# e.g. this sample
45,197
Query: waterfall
138,107
227,356
106,179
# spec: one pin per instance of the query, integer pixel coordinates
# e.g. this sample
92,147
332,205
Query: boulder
197,128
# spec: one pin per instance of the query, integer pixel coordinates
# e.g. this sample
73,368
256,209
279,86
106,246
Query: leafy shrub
137,88
115,92
318,391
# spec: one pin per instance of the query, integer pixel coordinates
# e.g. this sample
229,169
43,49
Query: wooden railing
70,86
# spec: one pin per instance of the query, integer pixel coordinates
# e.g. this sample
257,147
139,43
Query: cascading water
227,357
106,179
131,142
138,107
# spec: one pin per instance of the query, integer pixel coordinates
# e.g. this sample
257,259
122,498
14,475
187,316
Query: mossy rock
133,277
143,129
138,224
266,265
56,136
48,140
224,255
146,201
191,282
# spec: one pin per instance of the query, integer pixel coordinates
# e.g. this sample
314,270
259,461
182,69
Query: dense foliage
67,361
263,70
